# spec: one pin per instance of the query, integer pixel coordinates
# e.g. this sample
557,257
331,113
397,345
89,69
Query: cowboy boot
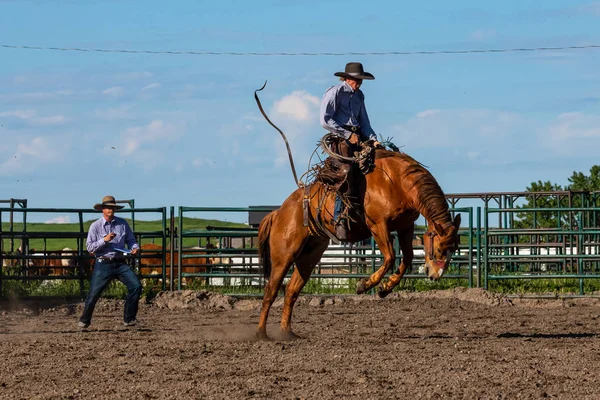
341,230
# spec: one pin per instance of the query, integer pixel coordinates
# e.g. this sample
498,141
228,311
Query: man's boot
341,230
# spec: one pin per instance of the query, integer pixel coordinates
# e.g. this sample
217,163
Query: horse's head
440,242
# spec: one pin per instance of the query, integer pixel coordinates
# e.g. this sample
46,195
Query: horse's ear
457,221
438,228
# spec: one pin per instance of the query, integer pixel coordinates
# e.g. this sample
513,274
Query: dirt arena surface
457,344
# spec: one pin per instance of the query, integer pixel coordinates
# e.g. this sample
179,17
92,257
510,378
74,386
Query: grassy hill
149,230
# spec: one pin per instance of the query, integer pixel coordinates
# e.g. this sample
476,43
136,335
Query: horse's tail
264,250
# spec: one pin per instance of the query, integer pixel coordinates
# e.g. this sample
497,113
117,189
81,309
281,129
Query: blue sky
185,130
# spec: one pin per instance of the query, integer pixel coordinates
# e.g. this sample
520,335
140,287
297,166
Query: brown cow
59,263
151,262
70,262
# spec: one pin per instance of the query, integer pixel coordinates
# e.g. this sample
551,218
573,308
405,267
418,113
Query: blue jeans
103,273
337,207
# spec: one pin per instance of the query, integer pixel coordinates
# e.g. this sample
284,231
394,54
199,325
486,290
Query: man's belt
110,259
351,128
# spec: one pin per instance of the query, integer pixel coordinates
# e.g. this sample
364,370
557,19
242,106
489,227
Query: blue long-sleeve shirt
343,106
100,228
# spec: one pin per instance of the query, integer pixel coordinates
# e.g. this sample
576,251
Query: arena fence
237,266
560,243
568,250
41,255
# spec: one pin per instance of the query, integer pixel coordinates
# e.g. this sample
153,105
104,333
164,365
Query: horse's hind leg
278,272
282,257
305,263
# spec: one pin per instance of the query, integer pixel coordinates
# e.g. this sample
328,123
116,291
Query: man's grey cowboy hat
107,201
355,70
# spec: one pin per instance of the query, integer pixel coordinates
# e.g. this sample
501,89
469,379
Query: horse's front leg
382,237
405,239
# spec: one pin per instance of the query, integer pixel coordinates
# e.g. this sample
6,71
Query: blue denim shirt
343,106
100,228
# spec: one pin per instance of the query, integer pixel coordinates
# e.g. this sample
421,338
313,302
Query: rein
287,145
431,235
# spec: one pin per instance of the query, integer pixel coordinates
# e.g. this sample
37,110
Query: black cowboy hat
107,201
355,70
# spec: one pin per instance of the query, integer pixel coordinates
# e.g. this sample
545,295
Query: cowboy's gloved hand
377,144
353,139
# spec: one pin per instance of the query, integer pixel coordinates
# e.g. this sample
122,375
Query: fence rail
494,247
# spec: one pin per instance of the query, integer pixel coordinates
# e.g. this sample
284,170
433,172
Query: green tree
581,182
589,185
543,219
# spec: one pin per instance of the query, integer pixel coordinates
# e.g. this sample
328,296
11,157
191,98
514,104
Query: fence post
580,251
172,246
180,246
485,255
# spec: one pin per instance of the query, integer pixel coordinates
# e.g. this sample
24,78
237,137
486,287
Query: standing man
344,114
105,236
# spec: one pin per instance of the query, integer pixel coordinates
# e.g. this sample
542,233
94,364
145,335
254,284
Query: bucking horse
392,196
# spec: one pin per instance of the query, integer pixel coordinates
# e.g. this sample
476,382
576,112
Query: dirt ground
462,344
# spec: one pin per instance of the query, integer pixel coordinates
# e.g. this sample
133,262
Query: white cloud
189,91
38,147
145,144
64,219
151,86
20,79
34,96
575,125
299,106
572,133
483,34
115,91
133,76
30,116
427,113
475,137
297,115
201,162
53,120
441,128
22,114
111,114
590,8
32,153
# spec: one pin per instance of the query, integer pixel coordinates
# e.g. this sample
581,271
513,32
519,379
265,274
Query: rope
325,145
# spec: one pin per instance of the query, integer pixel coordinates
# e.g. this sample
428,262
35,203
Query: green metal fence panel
497,244
338,265
560,243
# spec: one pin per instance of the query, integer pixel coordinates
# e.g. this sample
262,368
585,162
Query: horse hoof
361,286
260,335
382,292
287,335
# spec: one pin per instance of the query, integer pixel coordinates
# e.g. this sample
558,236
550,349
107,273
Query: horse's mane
430,197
